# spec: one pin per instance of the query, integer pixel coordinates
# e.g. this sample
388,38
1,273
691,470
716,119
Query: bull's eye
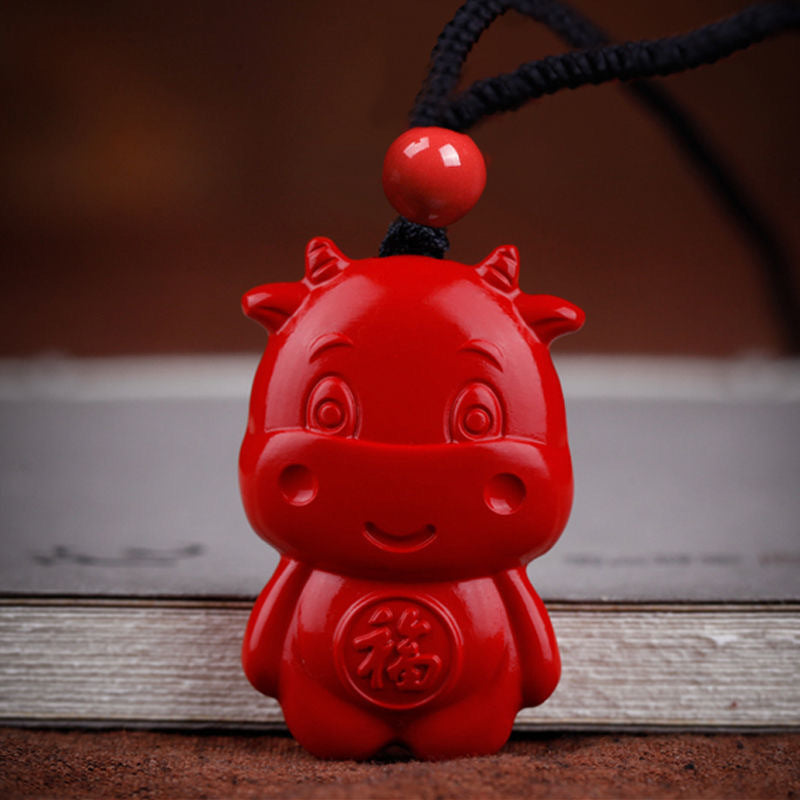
329,415
477,414
332,407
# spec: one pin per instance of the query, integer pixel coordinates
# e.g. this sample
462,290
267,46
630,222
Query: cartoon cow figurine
406,452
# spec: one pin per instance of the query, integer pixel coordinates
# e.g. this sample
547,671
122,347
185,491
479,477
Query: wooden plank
178,663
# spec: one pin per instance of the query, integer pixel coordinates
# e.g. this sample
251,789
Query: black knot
406,238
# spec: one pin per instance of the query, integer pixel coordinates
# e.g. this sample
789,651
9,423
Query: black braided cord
435,105
411,239
627,61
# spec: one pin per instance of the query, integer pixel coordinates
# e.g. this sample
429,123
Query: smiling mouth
399,542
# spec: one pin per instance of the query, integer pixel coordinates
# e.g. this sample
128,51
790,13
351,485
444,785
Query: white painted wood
174,662
118,478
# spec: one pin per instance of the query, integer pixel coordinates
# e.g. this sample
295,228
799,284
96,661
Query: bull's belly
399,647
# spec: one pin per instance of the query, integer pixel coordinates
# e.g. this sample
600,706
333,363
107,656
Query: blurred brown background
158,159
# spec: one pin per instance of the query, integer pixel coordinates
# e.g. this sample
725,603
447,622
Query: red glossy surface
433,176
406,452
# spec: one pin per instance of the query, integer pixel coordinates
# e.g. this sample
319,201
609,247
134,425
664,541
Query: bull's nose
298,484
394,542
504,493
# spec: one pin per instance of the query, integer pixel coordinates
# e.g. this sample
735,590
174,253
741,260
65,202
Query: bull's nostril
504,493
298,485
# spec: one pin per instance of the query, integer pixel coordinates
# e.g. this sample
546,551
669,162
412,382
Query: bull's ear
273,303
324,260
501,268
549,316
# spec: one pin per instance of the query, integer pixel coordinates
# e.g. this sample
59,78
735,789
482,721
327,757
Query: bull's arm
540,663
266,631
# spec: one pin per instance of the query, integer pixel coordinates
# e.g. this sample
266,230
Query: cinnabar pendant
406,452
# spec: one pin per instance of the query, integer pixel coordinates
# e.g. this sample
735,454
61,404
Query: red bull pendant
406,452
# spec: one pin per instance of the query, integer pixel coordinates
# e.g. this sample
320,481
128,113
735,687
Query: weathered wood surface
178,663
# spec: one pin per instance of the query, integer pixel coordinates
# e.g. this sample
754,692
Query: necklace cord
598,62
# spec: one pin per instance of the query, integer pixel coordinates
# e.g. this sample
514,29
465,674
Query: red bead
433,176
